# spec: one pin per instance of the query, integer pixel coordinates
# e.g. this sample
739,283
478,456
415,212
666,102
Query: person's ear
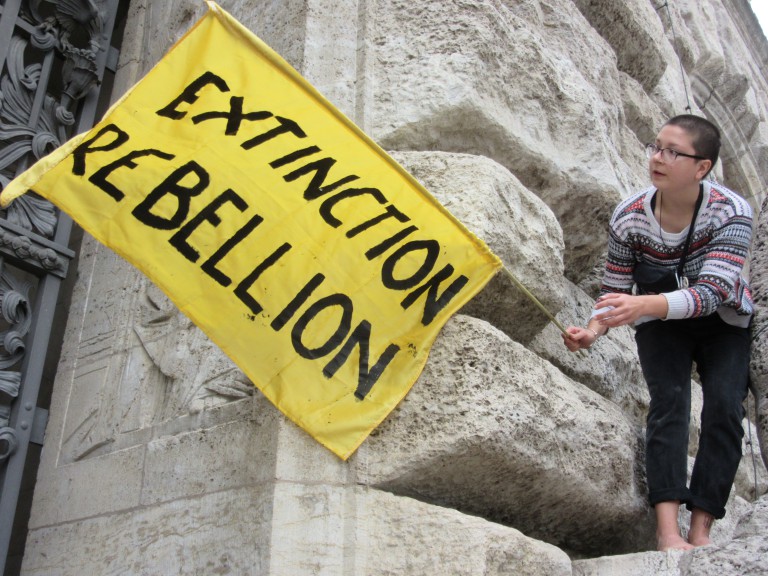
703,169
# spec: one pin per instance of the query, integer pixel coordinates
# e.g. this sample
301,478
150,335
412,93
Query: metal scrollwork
73,28
71,18
52,57
10,382
18,139
57,46
14,309
8,442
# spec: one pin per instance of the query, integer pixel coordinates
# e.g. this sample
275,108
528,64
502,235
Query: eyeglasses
667,154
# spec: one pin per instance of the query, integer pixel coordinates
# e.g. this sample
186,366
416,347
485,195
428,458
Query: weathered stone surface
737,551
204,461
759,362
405,536
155,27
524,446
743,556
216,533
728,80
516,225
327,529
477,104
752,477
640,564
611,367
98,486
643,115
316,529
633,31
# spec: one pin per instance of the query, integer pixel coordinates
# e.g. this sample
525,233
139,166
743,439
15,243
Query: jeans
667,350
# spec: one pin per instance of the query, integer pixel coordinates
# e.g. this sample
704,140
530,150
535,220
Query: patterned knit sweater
719,248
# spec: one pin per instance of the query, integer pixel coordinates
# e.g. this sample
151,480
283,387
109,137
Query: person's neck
681,201
674,211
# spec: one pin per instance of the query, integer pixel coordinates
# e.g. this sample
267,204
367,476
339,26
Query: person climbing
674,270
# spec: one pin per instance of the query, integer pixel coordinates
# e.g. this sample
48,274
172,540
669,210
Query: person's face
679,173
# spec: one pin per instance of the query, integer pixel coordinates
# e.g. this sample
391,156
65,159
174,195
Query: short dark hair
705,137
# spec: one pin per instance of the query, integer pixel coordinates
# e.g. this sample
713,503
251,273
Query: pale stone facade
526,119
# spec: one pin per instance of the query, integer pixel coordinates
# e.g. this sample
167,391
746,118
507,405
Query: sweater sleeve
719,279
619,264
620,260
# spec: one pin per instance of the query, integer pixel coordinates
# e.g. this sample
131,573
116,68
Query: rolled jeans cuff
683,495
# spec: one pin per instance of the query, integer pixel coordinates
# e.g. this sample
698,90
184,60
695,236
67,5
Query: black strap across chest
687,244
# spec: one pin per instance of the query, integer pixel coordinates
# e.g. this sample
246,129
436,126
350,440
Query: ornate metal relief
71,19
50,64
19,139
33,120
52,57
14,307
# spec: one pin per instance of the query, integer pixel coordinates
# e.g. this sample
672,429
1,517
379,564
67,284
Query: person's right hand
577,338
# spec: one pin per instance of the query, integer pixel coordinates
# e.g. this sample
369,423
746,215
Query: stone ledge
639,564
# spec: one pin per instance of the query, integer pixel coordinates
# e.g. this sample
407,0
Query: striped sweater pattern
719,248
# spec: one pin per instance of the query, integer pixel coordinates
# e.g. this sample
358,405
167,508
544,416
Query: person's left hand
621,309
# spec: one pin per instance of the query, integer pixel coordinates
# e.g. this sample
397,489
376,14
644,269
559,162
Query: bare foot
700,541
701,525
672,542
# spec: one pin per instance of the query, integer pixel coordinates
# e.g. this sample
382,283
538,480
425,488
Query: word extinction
424,282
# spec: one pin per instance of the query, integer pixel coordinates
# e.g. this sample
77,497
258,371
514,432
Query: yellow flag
319,265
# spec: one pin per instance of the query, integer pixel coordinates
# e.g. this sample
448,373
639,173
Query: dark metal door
56,59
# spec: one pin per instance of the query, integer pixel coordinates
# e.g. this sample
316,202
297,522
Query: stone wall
527,120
